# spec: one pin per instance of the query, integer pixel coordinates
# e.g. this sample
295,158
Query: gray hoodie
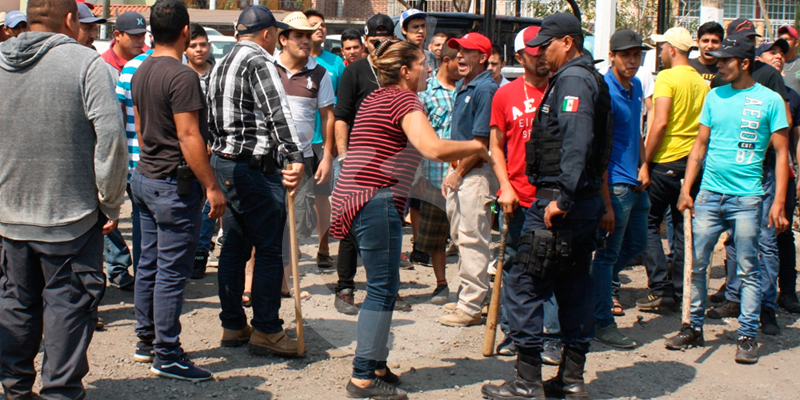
63,153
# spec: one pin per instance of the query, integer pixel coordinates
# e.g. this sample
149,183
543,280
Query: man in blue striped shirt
434,227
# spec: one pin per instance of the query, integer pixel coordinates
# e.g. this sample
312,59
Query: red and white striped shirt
379,156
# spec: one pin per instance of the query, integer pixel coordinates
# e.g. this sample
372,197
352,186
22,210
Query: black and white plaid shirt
248,113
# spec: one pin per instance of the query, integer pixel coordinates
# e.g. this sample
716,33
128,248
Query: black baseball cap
131,23
379,21
255,18
556,26
742,26
625,39
781,43
735,46
85,15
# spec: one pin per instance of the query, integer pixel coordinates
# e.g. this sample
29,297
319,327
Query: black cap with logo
735,46
742,26
379,22
625,39
556,26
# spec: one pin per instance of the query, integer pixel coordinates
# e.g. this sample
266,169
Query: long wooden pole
490,333
298,312
688,264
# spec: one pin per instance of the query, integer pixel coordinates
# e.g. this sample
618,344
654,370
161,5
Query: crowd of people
582,167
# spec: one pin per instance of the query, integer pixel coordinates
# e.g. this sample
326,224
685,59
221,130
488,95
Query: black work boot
526,384
568,383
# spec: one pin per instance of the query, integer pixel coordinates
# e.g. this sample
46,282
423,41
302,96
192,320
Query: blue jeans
255,217
715,213
768,248
170,225
515,224
525,295
630,228
116,254
378,229
206,230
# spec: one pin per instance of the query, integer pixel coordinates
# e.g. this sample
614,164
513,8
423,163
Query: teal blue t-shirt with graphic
741,122
335,67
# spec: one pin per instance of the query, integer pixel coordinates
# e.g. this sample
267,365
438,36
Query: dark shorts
434,228
311,166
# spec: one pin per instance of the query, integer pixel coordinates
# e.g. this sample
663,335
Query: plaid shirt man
438,103
248,110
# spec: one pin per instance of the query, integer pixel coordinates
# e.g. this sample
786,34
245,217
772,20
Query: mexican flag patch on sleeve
570,104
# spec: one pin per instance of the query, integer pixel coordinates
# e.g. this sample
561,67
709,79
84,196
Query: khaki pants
469,212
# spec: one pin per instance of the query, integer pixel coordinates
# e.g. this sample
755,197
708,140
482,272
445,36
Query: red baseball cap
788,30
525,36
472,41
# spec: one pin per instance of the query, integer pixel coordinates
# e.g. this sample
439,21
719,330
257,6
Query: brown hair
50,13
390,56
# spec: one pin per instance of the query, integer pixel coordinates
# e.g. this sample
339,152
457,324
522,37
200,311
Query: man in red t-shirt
128,40
513,109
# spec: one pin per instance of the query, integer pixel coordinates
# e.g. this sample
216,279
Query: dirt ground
434,362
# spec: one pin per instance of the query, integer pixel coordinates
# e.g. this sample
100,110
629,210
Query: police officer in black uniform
566,160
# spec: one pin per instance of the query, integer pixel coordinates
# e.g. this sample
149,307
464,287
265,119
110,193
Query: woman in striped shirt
370,198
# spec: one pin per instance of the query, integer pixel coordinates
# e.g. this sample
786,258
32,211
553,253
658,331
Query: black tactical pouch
549,253
185,178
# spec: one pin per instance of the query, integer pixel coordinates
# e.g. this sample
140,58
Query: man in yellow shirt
678,98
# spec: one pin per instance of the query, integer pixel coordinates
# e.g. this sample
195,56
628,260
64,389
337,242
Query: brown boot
268,343
235,338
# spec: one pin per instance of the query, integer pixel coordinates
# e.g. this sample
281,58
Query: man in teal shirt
335,67
737,124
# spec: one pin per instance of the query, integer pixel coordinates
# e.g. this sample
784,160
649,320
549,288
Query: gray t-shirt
791,71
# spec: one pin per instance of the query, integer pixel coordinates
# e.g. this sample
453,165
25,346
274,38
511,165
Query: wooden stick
688,264
490,333
301,345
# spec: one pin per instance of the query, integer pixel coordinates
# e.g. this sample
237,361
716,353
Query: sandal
617,309
246,303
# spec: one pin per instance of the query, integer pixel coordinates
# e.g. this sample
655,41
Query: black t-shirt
764,74
708,72
358,81
160,88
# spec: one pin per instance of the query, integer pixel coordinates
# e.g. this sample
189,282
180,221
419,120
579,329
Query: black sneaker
390,377
552,351
507,348
200,262
769,324
728,309
686,338
789,302
379,390
747,350
441,295
719,296
123,281
144,352
655,301
419,257
182,369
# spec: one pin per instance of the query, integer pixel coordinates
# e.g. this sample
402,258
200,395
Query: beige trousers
469,212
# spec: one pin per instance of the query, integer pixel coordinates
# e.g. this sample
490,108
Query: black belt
233,157
551,194
547,194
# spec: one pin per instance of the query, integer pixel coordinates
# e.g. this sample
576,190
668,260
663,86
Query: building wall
10,5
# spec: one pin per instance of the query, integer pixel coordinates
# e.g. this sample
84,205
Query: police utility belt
547,254
266,163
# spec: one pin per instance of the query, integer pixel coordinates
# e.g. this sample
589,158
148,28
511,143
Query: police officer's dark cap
255,18
557,26
735,46
625,39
